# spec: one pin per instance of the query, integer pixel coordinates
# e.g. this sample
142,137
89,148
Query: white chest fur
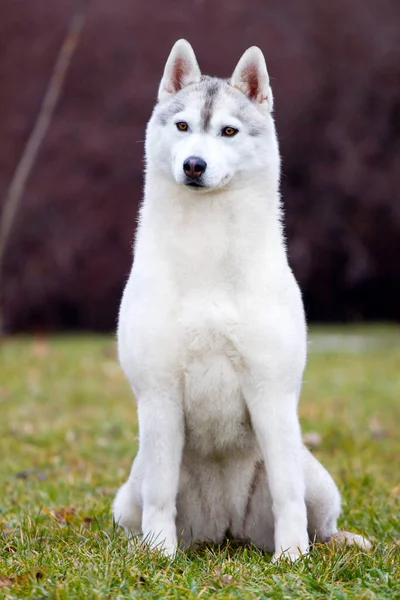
216,417
199,291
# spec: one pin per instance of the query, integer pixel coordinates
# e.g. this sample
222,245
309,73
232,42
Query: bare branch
24,167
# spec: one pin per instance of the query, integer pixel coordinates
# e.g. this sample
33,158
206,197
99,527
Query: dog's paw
351,539
135,543
167,548
290,555
165,541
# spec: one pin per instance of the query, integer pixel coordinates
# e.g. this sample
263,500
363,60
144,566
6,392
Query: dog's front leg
161,437
274,419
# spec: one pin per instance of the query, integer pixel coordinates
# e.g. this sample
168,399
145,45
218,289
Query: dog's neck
207,230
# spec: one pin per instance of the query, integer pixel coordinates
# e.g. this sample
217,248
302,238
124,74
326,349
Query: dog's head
207,133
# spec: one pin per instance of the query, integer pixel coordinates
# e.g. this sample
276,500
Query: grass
67,438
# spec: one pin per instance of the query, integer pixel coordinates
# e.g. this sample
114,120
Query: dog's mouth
194,184
198,184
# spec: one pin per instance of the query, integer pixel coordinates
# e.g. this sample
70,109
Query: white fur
212,337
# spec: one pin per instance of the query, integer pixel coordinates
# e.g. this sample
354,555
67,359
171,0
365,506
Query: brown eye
182,126
229,131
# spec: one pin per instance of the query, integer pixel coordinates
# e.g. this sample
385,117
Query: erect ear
180,70
251,77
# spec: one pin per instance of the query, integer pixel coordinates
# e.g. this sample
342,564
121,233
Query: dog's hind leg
322,500
323,506
351,539
127,506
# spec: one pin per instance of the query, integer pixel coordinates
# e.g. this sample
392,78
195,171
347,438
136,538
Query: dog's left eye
229,131
182,126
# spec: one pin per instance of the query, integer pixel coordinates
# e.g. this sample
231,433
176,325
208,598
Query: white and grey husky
212,335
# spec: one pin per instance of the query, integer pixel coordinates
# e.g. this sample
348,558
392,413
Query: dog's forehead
217,97
212,94
202,97
208,90
208,97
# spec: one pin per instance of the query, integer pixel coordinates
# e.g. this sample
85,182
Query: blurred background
335,72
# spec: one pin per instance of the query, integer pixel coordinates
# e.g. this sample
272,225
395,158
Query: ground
68,433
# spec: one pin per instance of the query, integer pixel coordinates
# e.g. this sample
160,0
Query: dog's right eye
182,126
229,131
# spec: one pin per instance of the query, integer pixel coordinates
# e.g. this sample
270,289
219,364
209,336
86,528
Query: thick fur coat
212,334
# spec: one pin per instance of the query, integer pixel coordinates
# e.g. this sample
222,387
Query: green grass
67,438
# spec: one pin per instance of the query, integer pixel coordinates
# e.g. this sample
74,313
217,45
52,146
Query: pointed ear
181,70
251,77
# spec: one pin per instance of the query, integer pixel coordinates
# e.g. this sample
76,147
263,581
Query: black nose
194,166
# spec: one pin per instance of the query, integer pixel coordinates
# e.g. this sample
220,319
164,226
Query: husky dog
212,335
